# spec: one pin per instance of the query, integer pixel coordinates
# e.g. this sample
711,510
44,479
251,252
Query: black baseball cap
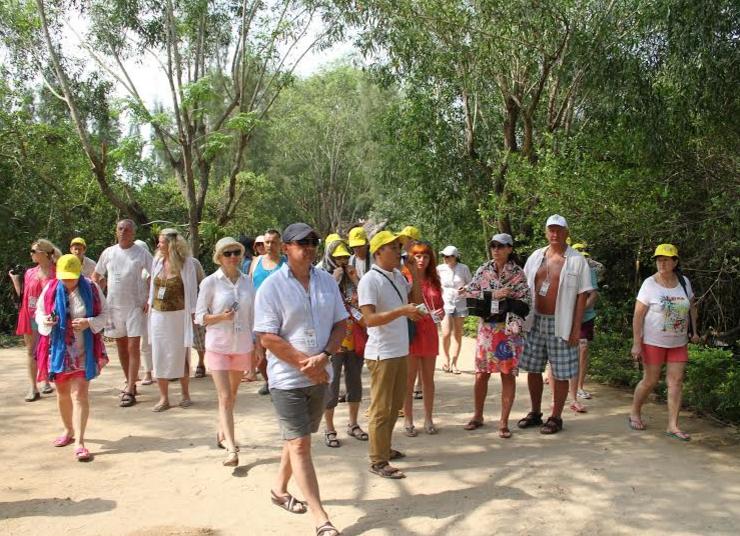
298,231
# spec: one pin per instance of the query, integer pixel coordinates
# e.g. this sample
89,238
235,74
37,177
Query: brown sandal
552,425
386,470
327,529
473,425
532,419
289,503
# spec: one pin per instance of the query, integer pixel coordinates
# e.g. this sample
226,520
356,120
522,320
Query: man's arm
373,319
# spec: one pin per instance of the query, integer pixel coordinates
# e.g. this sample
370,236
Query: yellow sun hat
666,250
357,237
341,251
79,240
381,239
410,232
69,267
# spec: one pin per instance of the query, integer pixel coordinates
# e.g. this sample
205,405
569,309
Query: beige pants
387,394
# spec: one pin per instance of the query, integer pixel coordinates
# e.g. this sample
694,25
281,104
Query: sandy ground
160,474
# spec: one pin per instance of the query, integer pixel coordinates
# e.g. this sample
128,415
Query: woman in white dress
453,275
173,294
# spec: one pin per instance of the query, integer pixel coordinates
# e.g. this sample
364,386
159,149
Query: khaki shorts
125,322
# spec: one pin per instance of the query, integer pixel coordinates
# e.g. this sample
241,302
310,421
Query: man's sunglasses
232,253
306,242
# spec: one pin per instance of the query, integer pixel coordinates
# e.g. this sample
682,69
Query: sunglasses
496,245
38,251
232,253
306,242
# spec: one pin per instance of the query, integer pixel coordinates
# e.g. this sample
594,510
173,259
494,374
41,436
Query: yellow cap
332,238
666,250
411,232
381,239
68,267
80,241
581,248
357,237
341,251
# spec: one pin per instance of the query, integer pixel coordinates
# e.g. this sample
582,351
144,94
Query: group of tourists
270,309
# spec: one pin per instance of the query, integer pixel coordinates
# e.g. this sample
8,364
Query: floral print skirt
497,349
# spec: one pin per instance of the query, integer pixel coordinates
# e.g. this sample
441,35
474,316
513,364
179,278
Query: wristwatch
328,354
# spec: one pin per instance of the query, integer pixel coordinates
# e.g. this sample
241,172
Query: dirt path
160,474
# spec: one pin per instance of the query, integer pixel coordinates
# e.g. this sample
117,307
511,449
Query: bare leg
285,472
457,324
447,328
674,379
426,366
164,391
185,379
81,407
134,362
30,342
64,403
480,391
122,347
534,382
329,418
224,382
582,362
408,406
508,393
560,389
354,410
305,475
650,377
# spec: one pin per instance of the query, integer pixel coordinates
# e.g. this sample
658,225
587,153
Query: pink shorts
217,361
657,355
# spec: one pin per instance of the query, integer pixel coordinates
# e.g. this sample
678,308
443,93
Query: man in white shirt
300,321
120,269
384,301
78,247
559,278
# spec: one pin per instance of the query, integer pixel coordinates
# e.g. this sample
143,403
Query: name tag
494,306
356,314
32,300
160,293
544,288
309,337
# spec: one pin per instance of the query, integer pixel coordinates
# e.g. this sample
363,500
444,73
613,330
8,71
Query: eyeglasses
232,253
449,256
306,242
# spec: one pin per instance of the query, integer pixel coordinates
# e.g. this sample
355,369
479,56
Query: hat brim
357,243
385,243
67,275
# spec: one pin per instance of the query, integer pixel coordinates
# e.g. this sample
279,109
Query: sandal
636,424
330,438
83,455
356,432
681,436
410,431
418,395
162,406
147,381
430,429
552,425
456,370
186,403
473,425
48,389
63,441
232,459
327,529
446,368
578,407
396,454
200,371
504,432
32,396
289,503
386,470
127,400
532,419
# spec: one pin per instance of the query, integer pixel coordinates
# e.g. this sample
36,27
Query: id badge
544,288
32,300
309,336
356,314
494,307
116,277
436,318
160,293
238,327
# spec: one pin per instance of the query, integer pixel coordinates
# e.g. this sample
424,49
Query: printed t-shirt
667,319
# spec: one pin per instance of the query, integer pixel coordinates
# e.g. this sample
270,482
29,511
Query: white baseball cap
556,219
450,251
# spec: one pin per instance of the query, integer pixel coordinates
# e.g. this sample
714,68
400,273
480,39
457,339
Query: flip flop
185,403
681,436
164,406
636,424
83,455
63,441
147,381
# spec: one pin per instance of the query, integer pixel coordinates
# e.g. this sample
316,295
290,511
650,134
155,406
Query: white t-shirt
452,279
392,339
88,267
667,320
123,269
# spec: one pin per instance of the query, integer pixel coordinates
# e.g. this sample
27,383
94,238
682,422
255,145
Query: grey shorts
543,346
352,364
299,410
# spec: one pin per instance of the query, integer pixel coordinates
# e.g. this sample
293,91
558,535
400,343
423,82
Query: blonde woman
44,254
172,298
226,309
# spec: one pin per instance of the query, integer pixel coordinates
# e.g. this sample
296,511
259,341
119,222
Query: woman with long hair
424,347
44,254
499,343
71,315
665,319
226,309
172,300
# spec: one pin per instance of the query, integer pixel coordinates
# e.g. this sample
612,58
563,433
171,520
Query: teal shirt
590,314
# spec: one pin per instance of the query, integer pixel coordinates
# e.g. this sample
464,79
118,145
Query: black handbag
411,326
482,308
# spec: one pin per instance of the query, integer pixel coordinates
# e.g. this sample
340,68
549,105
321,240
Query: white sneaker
584,394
